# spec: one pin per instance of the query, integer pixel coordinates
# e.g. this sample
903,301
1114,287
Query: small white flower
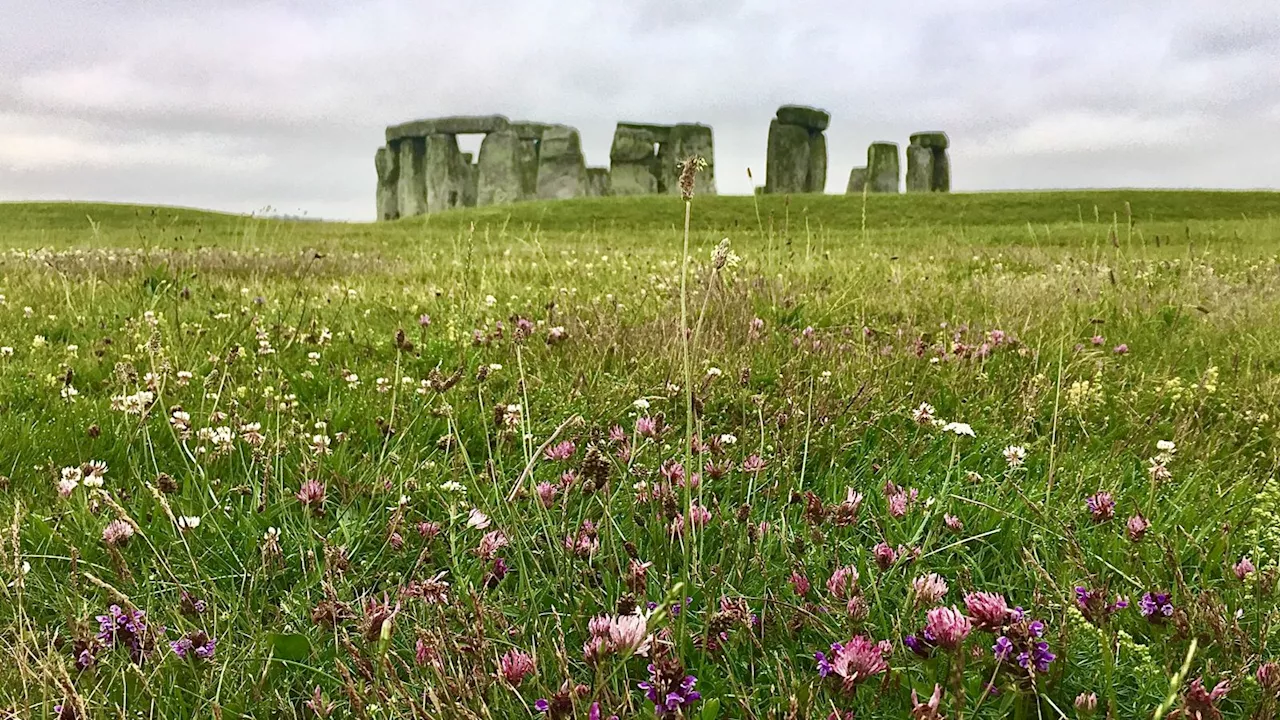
1015,455
641,404
477,519
728,439
188,522
453,486
1166,446
959,428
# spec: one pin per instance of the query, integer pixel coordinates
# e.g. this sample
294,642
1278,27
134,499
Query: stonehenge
644,157
797,152
421,169
928,167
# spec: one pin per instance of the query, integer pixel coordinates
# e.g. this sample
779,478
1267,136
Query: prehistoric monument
643,158
797,155
928,168
421,170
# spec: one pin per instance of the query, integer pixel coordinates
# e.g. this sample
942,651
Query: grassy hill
61,224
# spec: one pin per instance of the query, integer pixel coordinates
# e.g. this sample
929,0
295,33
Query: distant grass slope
59,224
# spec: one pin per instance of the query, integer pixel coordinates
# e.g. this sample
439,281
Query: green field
434,468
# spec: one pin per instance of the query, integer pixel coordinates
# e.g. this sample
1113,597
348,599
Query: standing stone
562,170
882,167
445,174
810,118
787,163
919,169
529,167
816,181
386,162
411,190
857,181
470,181
685,141
633,161
937,142
498,174
597,182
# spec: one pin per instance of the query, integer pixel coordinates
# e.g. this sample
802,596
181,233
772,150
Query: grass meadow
949,456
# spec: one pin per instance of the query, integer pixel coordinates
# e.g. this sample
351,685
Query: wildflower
689,168
669,688
755,328
117,533
927,710
1022,644
1097,340
628,634
1243,569
959,428
853,662
560,452
1155,607
477,520
515,666
1201,704
491,543
947,627
1268,676
799,583
953,523
646,427
884,555
1093,604
843,582
923,415
546,494
556,334
1101,506
1086,705
753,464
128,629
1136,527
188,522
94,472
988,611
1121,349
68,481
320,445
846,513
1158,470
196,644
319,705
1015,455
929,589
311,494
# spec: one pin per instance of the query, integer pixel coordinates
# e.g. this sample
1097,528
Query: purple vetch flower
1022,644
196,644
1102,506
669,688
1156,607
1093,604
127,628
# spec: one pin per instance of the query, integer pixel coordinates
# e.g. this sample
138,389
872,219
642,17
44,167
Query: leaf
710,709
290,646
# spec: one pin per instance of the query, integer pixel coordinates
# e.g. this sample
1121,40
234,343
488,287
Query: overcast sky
241,104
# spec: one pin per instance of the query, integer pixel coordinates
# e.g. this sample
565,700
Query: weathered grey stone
941,171
529,167
498,173
857,181
787,163
387,162
597,182
470,182
634,178
660,133
457,125
804,116
562,170
687,140
816,180
919,169
529,130
411,189
882,167
934,139
446,181
632,143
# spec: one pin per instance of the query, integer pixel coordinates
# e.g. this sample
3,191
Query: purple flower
541,705
1102,506
197,644
668,693
129,629
1155,607
1093,604
1002,648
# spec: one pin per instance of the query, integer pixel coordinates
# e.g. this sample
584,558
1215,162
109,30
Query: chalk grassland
434,468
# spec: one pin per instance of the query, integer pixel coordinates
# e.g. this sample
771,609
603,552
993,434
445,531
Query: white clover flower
1015,455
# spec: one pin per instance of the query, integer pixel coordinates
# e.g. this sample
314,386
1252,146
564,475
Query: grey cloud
1035,93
